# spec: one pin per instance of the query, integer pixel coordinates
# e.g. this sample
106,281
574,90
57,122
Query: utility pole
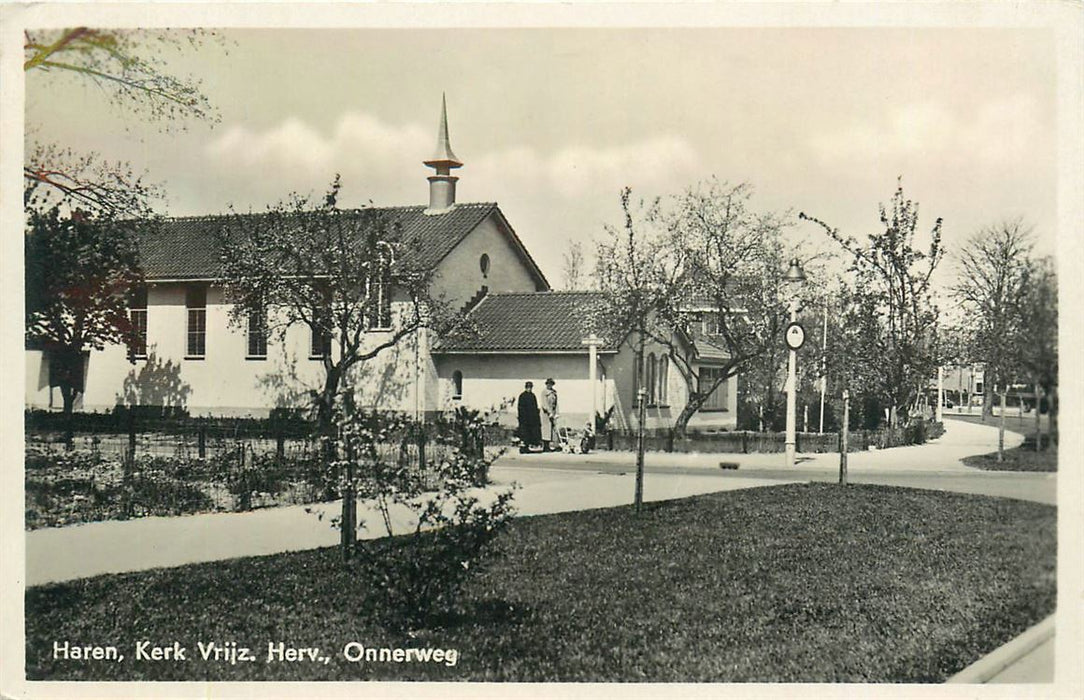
641,411
824,366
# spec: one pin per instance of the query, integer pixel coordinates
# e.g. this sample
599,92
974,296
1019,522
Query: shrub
415,577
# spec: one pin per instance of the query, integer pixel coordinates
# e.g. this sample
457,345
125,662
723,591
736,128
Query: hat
529,385
550,382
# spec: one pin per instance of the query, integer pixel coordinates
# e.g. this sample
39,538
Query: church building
189,356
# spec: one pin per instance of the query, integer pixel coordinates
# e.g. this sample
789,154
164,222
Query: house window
195,302
719,398
483,263
137,315
378,290
457,385
257,333
663,379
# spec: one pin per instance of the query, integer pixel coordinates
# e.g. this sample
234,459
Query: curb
1007,654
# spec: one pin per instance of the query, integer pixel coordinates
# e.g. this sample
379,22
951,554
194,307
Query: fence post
843,437
201,439
421,449
131,431
280,444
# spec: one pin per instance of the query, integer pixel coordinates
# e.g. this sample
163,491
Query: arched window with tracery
457,385
663,379
378,290
650,379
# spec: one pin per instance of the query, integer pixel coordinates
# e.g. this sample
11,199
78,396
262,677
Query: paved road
935,465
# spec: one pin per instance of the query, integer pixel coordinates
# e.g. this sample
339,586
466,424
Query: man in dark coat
530,423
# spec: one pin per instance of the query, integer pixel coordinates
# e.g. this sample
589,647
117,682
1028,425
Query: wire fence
199,466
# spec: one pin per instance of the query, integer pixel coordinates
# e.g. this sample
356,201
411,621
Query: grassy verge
1018,459
807,582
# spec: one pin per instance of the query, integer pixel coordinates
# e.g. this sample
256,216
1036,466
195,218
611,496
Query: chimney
442,185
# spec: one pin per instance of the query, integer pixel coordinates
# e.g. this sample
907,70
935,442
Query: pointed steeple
442,185
443,156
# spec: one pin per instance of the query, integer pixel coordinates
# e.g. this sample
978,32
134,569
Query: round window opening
483,263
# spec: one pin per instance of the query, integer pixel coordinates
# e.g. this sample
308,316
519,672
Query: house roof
709,352
528,322
187,248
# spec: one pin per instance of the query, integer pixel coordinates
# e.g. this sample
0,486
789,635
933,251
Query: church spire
442,184
443,156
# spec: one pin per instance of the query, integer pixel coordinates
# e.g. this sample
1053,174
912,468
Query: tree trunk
1001,430
1052,413
67,393
681,423
1038,423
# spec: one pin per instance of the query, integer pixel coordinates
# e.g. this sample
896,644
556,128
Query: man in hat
549,415
530,424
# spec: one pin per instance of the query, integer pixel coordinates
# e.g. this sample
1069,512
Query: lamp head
795,275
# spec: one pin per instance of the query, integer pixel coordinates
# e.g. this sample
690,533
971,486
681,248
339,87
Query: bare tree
572,275
992,268
1039,339
707,250
332,270
130,66
889,309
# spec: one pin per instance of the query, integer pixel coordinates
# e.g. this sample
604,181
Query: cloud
995,134
386,158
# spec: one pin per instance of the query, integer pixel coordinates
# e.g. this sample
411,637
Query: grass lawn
1018,459
804,582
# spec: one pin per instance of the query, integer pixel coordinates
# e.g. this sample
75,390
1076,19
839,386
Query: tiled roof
528,322
710,352
187,247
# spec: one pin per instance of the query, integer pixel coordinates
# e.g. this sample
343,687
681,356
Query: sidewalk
550,483
91,549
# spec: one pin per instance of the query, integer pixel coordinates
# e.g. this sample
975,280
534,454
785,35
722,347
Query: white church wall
224,382
459,276
489,380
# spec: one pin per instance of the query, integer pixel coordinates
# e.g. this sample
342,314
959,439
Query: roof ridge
401,207
548,292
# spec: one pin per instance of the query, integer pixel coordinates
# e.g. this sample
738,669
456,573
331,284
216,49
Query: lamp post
794,337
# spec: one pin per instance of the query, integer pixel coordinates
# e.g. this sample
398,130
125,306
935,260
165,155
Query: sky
553,123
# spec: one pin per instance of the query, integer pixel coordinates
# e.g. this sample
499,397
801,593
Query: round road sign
795,336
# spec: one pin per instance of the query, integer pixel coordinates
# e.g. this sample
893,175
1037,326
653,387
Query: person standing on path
530,423
549,415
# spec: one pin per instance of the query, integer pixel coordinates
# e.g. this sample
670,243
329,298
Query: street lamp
794,337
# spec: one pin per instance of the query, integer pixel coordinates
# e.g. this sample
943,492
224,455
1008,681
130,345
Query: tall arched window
457,385
378,289
664,370
650,379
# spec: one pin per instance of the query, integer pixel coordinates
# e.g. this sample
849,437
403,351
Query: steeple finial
442,184
443,156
